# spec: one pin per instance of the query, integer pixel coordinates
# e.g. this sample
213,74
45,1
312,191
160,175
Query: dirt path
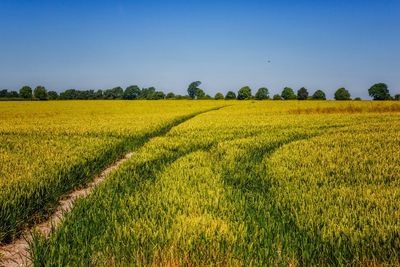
17,252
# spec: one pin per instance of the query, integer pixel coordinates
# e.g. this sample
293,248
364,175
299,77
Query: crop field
47,149
220,183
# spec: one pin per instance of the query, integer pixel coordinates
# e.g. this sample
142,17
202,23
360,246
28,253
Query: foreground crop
250,184
47,149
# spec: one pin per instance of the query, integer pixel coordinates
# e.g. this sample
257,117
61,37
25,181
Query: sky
318,44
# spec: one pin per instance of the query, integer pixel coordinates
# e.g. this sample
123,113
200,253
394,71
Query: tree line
378,91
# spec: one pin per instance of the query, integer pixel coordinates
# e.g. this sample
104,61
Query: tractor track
17,252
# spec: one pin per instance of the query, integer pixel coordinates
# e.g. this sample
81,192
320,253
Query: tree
170,95
219,96
70,94
277,97
132,92
262,94
288,94
117,92
379,91
147,93
342,94
40,93
230,95
302,94
52,95
158,95
25,92
319,95
357,98
200,94
114,93
98,94
90,94
397,97
193,88
244,93
107,94
3,93
13,94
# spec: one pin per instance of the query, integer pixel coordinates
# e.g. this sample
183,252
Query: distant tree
107,94
357,98
193,88
40,93
200,94
132,92
118,92
302,94
25,92
277,97
86,94
158,95
230,95
13,94
219,96
52,95
342,94
81,95
379,91
68,94
114,93
147,93
319,95
170,95
262,94
397,97
71,94
3,93
91,94
98,94
244,93
288,94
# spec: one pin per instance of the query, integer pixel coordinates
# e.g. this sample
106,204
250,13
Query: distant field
253,183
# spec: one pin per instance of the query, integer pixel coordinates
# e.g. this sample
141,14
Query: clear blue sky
318,44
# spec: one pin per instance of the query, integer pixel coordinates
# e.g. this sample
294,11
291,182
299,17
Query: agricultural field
49,148
231,183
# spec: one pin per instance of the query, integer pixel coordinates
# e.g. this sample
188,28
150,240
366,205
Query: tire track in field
17,252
